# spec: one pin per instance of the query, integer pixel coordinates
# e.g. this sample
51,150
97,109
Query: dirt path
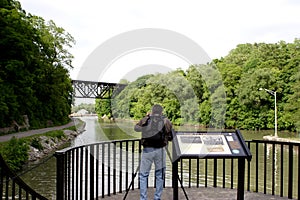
34,132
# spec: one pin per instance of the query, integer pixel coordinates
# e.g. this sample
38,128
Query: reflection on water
98,132
43,177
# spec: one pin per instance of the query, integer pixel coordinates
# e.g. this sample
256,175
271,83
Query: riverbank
47,143
29,146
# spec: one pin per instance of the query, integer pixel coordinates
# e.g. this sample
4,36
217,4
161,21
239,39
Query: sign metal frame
210,145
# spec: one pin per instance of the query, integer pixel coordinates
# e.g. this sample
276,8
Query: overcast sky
216,25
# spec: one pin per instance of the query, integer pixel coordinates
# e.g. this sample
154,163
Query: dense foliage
15,151
103,106
223,93
34,62
249,67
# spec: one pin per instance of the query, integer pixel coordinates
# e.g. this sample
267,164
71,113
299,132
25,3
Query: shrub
56,134
15,153
35,142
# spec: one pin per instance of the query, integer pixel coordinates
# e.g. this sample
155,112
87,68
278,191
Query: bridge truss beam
98,90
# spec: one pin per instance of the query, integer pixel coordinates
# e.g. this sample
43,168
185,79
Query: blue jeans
158,157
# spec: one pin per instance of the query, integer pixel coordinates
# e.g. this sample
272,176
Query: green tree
226,91
251,66
34,67
292,108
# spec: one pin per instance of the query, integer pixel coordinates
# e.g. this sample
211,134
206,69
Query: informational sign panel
210,144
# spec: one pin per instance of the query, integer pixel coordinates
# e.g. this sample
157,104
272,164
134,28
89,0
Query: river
41,175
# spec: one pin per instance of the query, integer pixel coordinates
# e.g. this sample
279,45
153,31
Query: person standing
156,132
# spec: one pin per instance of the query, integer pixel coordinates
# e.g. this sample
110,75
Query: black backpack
153,132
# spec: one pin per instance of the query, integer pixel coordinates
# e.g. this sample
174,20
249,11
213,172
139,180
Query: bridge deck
196,193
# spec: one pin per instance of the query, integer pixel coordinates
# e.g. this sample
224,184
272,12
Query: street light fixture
274,94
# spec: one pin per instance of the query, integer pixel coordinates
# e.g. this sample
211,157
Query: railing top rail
62,151
275,142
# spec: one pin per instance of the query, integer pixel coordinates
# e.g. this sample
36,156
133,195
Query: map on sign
209,144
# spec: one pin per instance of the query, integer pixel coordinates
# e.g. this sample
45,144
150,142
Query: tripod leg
185,194
132,182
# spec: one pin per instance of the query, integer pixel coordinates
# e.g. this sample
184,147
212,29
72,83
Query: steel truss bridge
99,90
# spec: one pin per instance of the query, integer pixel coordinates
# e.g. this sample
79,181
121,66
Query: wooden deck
196,194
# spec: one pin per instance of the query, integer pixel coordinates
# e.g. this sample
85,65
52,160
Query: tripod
138,168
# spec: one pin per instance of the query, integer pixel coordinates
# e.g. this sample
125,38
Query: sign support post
174,179
241,179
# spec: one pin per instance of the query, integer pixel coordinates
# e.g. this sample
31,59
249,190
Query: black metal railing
107,168
96,170
12,187
274,169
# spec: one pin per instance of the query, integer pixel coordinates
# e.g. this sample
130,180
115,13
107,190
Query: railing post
298,171
60,170
92,178
215,172
290,176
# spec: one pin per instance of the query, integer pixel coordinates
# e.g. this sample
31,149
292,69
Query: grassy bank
16,151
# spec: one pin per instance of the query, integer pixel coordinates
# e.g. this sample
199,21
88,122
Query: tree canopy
225,91
34,64
34,81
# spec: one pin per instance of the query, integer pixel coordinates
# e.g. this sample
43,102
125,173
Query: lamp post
274,94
